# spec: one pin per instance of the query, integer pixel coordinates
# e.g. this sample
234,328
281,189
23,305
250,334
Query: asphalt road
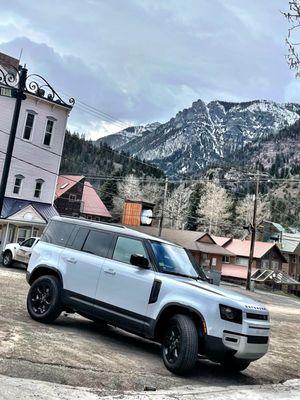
77,352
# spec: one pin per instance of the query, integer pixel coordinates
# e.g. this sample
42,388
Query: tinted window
79,238
98,243
57,233
125,247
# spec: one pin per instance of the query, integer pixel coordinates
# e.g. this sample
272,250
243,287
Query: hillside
205,134
82,157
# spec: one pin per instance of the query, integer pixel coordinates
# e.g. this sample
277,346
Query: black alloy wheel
44,299
41,297
180,344
172,344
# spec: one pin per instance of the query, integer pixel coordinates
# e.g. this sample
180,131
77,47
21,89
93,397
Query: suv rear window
57,233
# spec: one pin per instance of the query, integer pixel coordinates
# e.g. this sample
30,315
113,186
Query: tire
180,344
44,299
235,365
7,258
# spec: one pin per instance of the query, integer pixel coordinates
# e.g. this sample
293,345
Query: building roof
235,271
242,248
11,206
190,240
66,182
290,242
221,240
92,204
276,225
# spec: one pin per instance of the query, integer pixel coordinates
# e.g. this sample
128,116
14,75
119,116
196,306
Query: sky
141,61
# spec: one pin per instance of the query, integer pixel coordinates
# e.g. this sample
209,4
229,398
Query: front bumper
248,347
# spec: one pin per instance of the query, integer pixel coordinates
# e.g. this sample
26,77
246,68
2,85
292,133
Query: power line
101,112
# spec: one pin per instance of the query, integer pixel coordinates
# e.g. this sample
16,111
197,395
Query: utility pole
19,95
253,232
163,208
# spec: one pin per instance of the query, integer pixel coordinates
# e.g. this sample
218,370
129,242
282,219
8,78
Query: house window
38,188
293,258
242,261
28,126
275,265
18,184
48,132
265,264
225,259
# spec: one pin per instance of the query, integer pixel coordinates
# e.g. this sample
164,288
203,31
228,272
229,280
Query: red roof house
266,256
76,197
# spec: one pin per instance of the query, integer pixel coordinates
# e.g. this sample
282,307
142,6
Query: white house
31,186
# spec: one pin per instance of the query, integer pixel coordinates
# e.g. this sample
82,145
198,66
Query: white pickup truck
20,252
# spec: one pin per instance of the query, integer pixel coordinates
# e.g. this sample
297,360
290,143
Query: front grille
257,316
258,339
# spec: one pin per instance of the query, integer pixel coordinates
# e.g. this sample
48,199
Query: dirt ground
77,352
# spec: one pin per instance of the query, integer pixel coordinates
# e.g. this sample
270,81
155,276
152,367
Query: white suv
147,286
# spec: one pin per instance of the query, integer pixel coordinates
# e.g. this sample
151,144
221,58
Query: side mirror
139,261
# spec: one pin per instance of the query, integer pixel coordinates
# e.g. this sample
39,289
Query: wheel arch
170,310
44,270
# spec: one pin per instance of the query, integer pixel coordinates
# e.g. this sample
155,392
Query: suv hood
243,300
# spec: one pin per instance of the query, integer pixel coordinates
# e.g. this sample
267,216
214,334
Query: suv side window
98,243
126,247
28,242
57,233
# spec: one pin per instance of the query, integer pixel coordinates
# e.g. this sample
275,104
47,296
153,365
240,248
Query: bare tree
244,210
293,17
128,189
214,207
177,207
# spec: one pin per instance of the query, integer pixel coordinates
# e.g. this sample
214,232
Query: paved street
76,352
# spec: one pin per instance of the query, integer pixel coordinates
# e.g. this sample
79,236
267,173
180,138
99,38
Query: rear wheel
44,299
7,258
180,344
233,364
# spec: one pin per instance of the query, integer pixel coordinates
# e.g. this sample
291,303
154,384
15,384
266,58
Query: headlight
231,314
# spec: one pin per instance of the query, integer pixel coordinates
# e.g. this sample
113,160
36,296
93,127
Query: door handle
110,271
72,260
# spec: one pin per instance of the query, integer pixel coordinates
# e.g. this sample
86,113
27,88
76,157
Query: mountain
121,138
206,134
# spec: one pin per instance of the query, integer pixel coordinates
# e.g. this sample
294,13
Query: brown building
203,247
76,197
266,256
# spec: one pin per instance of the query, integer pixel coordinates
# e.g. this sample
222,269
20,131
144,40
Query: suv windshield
175,260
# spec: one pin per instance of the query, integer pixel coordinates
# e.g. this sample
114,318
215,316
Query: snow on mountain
119,139
204,133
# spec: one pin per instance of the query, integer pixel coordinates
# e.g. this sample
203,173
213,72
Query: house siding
46,157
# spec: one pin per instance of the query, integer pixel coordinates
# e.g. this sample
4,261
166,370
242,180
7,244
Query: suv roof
110,227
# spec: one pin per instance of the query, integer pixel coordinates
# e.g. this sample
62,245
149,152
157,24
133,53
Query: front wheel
44,299
7,258
180,344
233,364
